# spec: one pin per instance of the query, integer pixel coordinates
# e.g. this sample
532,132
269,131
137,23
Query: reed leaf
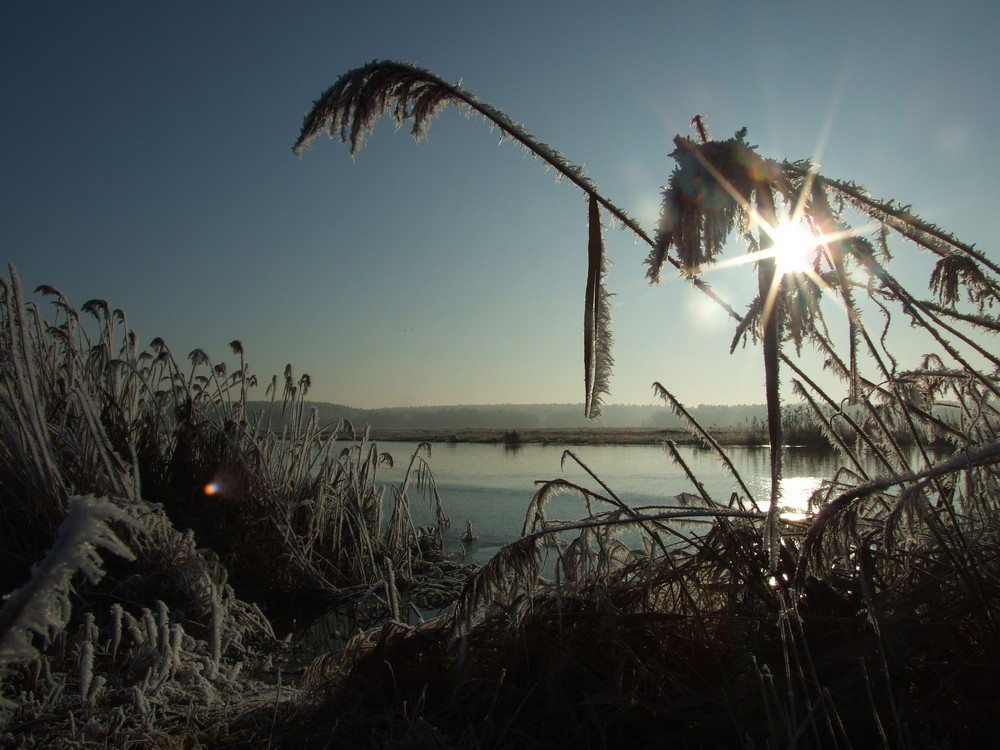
597,359
696,429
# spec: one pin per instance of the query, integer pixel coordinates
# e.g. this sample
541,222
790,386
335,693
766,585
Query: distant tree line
749,421
528,416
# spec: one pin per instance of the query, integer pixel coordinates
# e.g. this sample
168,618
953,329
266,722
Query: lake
491,485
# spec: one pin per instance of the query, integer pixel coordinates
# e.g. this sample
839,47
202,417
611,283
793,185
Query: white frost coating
86,669
116,628
216,634
149,626
140,702
132,625
42,605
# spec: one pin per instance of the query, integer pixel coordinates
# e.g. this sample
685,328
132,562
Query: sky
145,159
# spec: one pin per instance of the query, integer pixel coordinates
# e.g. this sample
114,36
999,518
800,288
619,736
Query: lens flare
212,488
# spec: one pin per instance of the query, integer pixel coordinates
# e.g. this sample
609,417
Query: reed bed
155,534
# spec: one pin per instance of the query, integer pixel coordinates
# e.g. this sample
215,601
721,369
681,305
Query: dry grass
869,632
149,615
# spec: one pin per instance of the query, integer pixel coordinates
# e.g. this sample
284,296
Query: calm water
492,485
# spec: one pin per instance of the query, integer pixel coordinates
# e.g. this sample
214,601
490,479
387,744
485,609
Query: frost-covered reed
869,621
148,520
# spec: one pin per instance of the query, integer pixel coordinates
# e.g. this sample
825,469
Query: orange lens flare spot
212,488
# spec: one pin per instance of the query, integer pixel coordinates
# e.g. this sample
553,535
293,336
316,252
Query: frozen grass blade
42,606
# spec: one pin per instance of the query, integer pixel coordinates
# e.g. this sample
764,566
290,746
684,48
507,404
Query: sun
794,249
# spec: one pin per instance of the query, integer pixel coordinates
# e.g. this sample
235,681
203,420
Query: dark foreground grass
701,648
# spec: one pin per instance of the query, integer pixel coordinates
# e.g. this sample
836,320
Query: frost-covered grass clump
151,529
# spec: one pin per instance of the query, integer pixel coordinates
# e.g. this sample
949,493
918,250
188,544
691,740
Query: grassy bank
165,552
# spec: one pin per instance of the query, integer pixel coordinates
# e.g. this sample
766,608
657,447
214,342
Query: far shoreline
566,436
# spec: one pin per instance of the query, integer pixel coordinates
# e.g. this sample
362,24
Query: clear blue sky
145,158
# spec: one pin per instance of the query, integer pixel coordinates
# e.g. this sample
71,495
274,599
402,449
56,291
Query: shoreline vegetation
180,570
803,433
544,436
578,436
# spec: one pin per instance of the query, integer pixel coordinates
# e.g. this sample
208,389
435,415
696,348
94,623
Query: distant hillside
524,416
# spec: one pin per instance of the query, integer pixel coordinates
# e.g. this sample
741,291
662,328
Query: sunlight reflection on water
796,493
493,487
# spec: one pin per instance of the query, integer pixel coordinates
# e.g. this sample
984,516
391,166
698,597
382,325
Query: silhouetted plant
775,615
716,189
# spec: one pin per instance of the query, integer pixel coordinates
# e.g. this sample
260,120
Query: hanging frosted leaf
597,359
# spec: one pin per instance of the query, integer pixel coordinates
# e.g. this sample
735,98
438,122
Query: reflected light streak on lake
491,485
